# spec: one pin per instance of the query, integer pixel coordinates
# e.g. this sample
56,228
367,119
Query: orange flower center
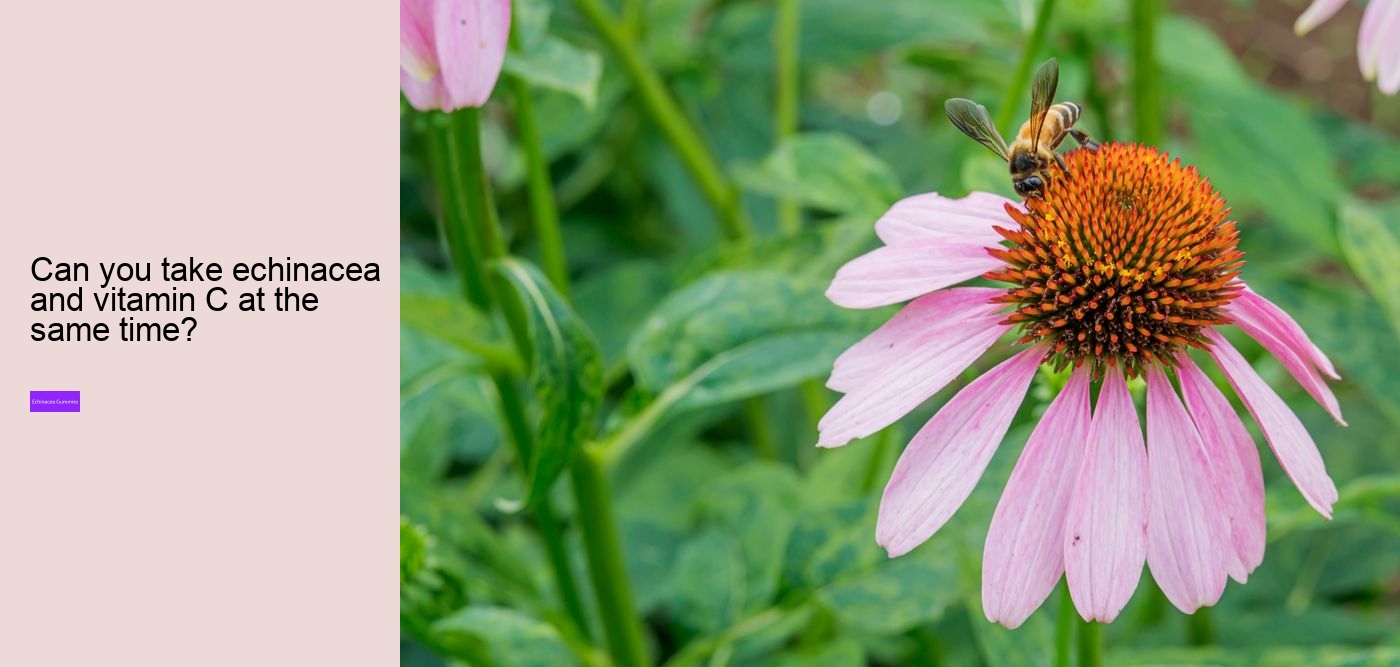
1124,260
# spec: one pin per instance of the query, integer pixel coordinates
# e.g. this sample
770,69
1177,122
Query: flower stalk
1022,80
1147,100
543,210
785,106
1090,643
597,520
666,113
1064,628
464,184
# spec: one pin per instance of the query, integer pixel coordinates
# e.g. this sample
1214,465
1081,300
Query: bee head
1023,162
1028,187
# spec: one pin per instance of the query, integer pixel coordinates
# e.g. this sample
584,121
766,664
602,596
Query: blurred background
743,543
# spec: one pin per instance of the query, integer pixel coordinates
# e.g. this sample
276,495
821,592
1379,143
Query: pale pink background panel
229,500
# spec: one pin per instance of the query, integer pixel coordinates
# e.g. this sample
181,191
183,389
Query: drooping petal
417,52
471,37
927,364
947,456
1292,445
901,272
1106,531
1378,24
1024,554
423,95
933,215
1316,13
941,314
1256,311
1234,460
1389,66
1188,532
1299,366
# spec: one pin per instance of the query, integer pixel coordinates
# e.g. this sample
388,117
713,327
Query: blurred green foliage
695,361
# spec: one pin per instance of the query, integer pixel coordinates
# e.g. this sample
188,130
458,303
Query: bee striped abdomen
1067,113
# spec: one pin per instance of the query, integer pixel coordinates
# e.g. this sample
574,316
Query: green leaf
1211,59
756,504
566,373
814,253
1370,239
896,595
615,301
828,172
455,322
1326,656
558,65
413,551
1235,130
725,311
708,588
838,652
503,637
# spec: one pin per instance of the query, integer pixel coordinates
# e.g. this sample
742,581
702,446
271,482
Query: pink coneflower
451,51
1119,269
1377,42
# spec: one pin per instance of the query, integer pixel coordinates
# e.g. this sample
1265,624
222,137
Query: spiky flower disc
1125,260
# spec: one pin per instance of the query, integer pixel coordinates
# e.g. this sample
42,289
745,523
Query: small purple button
54,401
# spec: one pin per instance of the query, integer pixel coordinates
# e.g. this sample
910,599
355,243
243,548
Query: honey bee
1033,151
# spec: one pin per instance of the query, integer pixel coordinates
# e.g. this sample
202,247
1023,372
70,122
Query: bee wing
1043,86
972,119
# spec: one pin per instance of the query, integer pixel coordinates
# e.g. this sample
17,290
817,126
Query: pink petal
471,38
1188,532
1235,461
1261,313
932,315
1389,65
945,459
1292,445
1316,13
1291,356
423,95
901,272
1377,26
926,364
1106,531
1025,549
933,215
417,53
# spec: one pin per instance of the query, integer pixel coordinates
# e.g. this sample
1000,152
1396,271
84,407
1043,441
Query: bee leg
1083,138
1060,160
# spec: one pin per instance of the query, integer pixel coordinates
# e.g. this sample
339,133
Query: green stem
785,114
666,113
1090,644
543,210
873,465
1095,95
464,159
815,400
1200,630
461,158
760,429
603,545
513,408
597,522
452,220
1020,84
464,163
1147,112
1064,628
